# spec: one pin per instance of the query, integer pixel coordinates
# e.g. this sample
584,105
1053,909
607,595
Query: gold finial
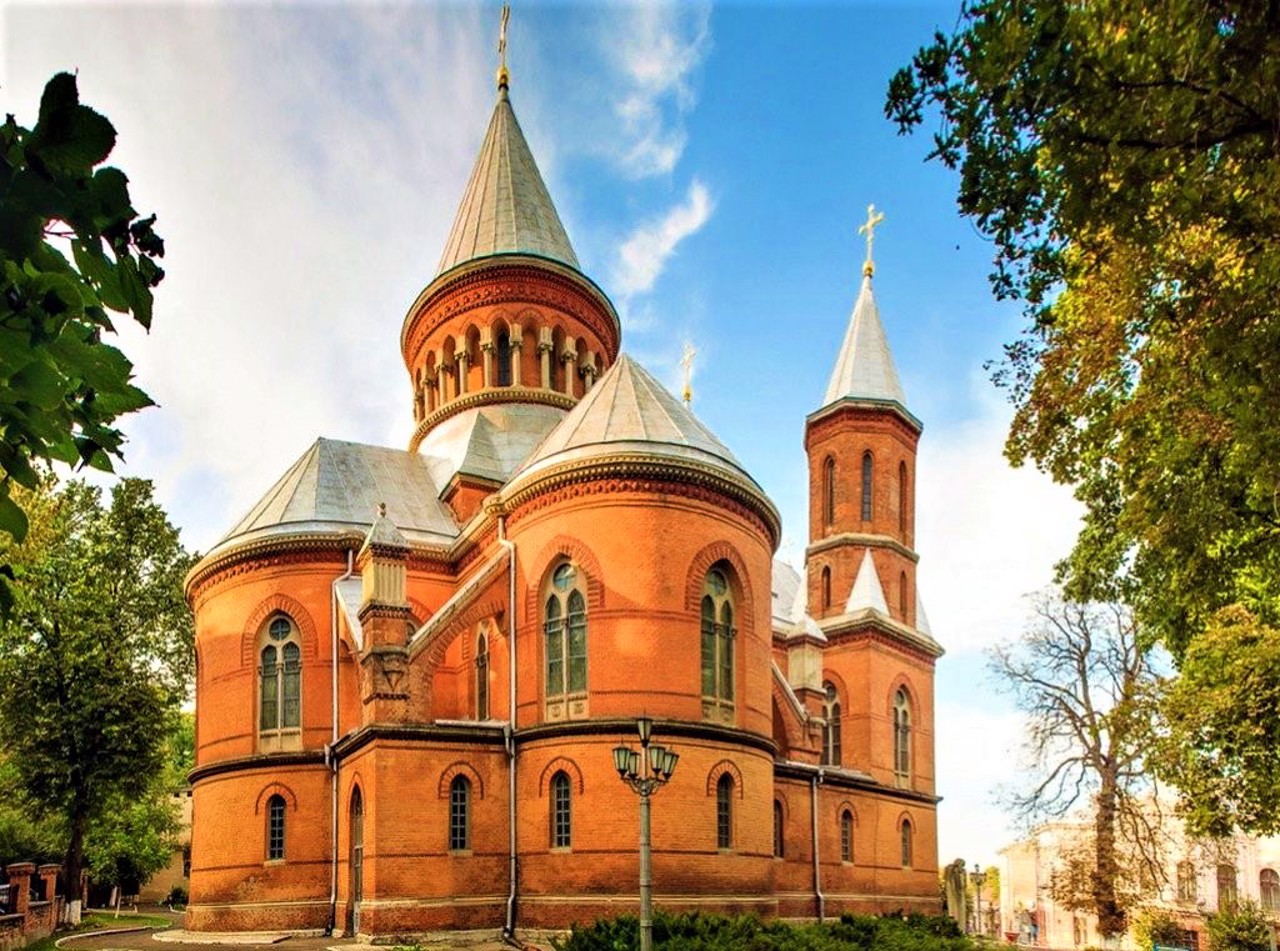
686,361
504,77
382,510
869,229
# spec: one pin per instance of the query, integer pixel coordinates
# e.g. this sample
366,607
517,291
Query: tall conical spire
864,369
506,208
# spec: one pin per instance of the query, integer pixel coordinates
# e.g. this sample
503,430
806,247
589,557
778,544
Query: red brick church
414,663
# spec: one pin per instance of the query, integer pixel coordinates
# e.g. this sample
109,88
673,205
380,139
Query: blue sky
712,165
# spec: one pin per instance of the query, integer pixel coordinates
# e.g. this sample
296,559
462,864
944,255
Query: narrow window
708,647
902,596
846,836
565,630
903,502
459,808
717,640
291,675
275,828
1226,887
280,678
724,635
866,486
829,492
902,735
270,692
560,815
826,588
1187,890
503,356
778,841
724,812
906,843
482,678
554,628
577,642
831,754
1269,889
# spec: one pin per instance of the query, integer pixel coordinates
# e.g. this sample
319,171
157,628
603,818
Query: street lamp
979,878
645,772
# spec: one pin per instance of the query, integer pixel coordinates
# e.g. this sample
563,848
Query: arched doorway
357,859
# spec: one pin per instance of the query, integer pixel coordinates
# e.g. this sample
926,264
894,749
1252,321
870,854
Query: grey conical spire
864,370
506,208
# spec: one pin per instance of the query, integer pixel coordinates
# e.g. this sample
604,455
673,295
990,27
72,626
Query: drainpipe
329,756
814,781
509,733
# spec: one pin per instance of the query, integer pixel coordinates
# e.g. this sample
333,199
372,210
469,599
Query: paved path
146,941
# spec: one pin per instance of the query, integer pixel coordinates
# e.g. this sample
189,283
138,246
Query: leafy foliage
1242,927
61,387
1155,926
95,656
699,932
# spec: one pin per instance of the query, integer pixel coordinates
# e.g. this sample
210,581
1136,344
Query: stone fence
30,909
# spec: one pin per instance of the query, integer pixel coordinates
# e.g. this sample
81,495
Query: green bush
700,932
1154,926
177,897
1242,928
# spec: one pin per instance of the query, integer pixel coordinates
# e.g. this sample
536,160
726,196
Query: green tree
1123,157
1242,927
61,387
95,655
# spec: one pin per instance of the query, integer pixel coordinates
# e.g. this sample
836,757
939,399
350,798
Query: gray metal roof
628,410
506,208
864,369
867,592
337,486
488,442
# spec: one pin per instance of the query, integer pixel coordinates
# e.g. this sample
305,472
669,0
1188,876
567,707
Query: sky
711,164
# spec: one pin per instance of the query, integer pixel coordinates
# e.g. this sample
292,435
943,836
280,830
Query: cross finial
686,361
869,229
382,510
504,77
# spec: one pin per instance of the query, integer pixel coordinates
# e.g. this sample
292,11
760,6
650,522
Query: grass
101,921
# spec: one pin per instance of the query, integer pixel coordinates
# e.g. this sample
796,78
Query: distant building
178,872
1202,876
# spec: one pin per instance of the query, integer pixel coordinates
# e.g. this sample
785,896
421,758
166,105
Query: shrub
1242,928
177,896
1153,926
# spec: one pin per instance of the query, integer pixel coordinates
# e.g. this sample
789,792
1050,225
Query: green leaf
12,519
69,137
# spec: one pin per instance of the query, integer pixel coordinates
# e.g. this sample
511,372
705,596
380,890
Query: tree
61,387
1087,685
96,653
1124,157
1242,927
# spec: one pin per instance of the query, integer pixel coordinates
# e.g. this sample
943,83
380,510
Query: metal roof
864,369
487,442
506,208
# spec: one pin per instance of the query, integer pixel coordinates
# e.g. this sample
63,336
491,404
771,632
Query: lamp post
979,878
645,772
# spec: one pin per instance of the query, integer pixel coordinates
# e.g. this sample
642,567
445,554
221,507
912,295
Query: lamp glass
633,763
670,766
621,759
657,757
644,726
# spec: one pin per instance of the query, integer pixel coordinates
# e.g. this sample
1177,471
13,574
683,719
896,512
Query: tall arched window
718,634
1227,895
565,627
482,677
866,486
902,735
280,677
779,842
831,732
561,819
906,843
1187,890
846,836
903,501
502,353
826,588
1269,889
902,596
275,828
829,492
724,812
459,814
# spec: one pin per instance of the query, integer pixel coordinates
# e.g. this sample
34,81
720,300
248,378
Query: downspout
817,873
509,929
329,756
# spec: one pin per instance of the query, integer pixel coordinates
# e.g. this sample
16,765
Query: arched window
724,812
718,635
829,492
502,353
903,502
826,588
1227,894
906,843
866,486
846,836
902,596
565,627
275,828
778,841
561,826
482,677
459,814
902,736
280,677
831,732
1269,889
1187,890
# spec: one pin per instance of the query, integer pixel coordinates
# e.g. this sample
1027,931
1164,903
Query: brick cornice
869,626
662,730
489,397
858,412
242,764
833,776
860,540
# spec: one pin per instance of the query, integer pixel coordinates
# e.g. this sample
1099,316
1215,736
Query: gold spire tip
504,75
869,229
686,361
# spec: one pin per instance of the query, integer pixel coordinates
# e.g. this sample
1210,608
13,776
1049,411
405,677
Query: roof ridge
864,366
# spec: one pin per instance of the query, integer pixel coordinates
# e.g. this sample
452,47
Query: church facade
414,664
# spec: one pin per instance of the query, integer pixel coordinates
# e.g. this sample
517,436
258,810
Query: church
414,664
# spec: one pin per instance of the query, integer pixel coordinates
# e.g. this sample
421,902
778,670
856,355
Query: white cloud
645,253
975,746
657,49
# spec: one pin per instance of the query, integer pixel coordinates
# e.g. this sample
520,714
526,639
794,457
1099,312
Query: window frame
460,814
482,676
908,845
279,684
779,830
829,492
276,828
724,812
846,836
868,475
718,633
902,739
832,753
561,811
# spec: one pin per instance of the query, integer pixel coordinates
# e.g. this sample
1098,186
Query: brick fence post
49,879
20,886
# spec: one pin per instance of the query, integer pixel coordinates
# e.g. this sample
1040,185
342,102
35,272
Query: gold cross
869,229
504,77
686,361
